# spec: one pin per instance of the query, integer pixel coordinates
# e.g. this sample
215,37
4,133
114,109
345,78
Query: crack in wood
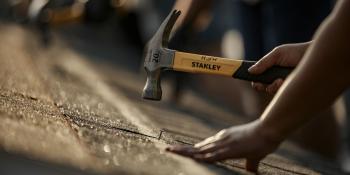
283,169
76,120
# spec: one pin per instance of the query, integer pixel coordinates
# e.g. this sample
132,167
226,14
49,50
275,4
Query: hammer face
156,61
152,89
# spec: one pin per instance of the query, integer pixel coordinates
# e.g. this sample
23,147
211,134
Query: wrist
269,132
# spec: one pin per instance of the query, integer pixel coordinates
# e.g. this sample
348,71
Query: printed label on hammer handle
195,63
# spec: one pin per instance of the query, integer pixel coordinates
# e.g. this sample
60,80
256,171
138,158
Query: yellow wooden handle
194,63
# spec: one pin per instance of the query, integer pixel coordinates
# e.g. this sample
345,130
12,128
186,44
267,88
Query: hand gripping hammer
159,58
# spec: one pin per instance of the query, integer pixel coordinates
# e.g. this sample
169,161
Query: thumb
252,165
265,63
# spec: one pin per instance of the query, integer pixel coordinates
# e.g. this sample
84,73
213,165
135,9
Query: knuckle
278,51
280,47
269,89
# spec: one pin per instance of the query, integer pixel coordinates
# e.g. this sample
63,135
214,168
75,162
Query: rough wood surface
59,109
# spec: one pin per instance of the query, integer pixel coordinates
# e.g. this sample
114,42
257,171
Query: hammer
158,58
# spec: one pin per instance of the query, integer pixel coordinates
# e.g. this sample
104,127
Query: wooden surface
60,109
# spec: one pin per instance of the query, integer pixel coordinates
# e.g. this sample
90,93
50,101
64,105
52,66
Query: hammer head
158,57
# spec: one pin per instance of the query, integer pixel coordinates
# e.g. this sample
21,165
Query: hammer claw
169,24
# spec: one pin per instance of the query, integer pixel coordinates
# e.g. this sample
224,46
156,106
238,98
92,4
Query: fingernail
253,84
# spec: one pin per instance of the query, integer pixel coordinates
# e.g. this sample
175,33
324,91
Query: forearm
317,81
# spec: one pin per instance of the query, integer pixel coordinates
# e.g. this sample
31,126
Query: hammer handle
195,63
266,77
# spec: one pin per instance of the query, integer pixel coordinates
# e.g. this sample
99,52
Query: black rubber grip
266,77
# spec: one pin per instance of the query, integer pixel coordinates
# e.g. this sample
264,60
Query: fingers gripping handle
266,77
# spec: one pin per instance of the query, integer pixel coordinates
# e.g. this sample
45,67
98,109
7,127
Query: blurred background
112,34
